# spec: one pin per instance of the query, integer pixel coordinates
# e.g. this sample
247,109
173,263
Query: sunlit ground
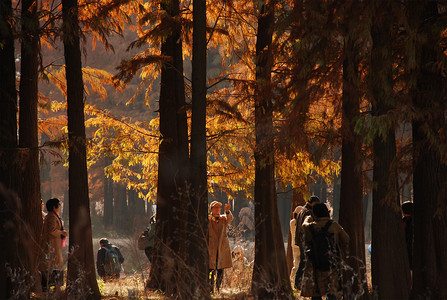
236,283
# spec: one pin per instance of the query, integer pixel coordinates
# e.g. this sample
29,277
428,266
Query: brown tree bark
429,160
108,198
351,194
168,267
28,136
81,266
270,276
9,202
121,209
390,265
198,210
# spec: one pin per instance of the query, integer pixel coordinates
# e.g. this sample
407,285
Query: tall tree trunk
45,171
169,249
429,160
81,265
270,276
351,195
390,265
108,198
198,210
9,203
9,159
140,206
28,136
121,212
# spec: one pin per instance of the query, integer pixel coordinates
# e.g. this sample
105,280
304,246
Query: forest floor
236,283
131,285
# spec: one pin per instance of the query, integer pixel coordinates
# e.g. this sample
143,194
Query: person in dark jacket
299,236
108,260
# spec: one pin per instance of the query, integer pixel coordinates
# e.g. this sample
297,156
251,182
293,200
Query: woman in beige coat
218,242
322,283
53,235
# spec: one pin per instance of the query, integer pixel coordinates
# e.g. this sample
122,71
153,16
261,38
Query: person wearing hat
305,213
218,243
108,260
295,248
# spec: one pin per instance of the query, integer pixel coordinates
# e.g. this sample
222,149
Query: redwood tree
9,202
81,265
351,193
198,210
28,135
390,267
270,276
429,156
168,264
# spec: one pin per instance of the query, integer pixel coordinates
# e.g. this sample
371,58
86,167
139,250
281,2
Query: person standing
108,260
306,212
218,243
322,271
53,236
295,248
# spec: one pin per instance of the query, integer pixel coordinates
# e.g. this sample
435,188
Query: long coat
52,242
329,282
219,244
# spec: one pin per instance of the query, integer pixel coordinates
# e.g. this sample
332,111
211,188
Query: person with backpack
108,260
305,212
326,242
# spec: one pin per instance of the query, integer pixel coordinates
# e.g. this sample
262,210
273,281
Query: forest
123,109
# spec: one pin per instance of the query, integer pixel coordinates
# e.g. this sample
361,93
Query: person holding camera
218,243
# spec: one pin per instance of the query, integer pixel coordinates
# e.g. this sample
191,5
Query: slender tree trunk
429,160
140,206
81,265
270,276
198,210
390,265
108,198
9,202
28,136
121,211
168,268
45,171
351,195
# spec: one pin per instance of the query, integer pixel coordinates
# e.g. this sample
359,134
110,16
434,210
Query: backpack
323,250
112,264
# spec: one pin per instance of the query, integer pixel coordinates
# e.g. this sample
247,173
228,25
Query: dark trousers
53,278
218,279
300,271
